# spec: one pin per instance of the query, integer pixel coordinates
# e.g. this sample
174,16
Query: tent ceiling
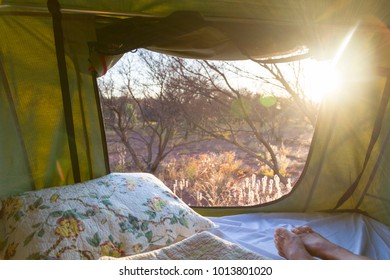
221,29
330,11
188,34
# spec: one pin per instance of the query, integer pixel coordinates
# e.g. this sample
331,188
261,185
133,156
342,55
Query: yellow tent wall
34,148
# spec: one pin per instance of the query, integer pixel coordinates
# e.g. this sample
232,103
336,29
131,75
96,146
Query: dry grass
220,180
213,173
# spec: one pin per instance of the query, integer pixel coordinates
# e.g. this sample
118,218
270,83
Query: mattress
355,232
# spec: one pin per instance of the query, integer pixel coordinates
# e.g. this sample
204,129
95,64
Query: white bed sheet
358,233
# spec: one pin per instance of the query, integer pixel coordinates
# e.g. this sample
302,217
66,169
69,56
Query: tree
234,114
143,113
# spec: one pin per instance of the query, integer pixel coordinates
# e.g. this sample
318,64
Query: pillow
116,215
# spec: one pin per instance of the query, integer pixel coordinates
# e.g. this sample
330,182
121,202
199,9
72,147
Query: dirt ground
296,145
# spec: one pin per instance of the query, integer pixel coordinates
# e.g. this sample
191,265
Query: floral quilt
116,215
200,246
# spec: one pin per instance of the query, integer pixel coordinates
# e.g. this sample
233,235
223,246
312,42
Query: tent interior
55,179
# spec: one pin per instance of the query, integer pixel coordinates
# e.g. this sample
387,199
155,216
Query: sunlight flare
322,78
325,77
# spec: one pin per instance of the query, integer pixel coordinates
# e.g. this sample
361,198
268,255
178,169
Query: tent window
217,133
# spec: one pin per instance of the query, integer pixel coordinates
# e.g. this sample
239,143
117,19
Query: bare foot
320,247
290,246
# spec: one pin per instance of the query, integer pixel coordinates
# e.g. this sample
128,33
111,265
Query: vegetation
220,180
161,120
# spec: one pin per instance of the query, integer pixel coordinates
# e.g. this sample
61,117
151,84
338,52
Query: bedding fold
200,246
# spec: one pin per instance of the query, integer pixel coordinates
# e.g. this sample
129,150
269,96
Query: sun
321,79
324,77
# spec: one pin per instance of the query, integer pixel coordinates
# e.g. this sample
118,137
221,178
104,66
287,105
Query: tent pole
55,10
101,122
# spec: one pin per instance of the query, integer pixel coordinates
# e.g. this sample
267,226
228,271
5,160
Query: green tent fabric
34,151
347,166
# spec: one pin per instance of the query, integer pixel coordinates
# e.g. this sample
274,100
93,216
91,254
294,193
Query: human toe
302,229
